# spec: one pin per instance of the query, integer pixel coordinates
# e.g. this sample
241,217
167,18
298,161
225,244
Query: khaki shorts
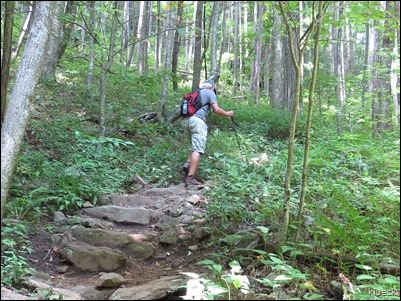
196,129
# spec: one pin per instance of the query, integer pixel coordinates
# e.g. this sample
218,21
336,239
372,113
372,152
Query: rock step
124,228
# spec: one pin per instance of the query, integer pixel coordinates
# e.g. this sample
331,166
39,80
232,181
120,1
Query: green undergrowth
352,200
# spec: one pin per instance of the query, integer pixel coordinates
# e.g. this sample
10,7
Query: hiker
196,128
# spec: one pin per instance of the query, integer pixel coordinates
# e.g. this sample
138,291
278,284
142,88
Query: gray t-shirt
208,97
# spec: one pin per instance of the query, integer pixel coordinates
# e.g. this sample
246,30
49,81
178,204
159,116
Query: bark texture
17,113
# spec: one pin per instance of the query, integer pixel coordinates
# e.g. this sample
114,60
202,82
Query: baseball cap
211,82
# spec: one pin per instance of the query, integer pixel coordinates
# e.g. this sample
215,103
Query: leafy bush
15,245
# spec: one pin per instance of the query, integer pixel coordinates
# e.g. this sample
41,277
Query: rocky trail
146,246
128,247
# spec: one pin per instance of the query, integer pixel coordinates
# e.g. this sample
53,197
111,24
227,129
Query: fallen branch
150,116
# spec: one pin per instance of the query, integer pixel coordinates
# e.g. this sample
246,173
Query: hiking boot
190,180
185,168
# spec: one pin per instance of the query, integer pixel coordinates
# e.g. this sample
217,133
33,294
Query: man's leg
194,158
190,179
198,143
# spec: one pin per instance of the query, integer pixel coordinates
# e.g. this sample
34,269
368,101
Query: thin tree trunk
395,94
198,45
348,55
289,80
276,65
139,36
395,76
91,46
158,39
169,24
6,59
309,119
258,21
105,69
23,32
17,113
126,31
374,35
366,69
205,35
51,57
177,42
296,62
236,49
266,69
255,62
240,47
385,96
188,44
134,24
339,71
223,40
214,74
146,33
70,9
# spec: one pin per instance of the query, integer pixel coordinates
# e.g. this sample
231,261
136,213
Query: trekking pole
235,130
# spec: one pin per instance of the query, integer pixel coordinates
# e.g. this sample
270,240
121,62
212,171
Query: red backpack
190,103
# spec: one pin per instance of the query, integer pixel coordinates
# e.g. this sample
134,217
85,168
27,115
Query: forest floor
44,258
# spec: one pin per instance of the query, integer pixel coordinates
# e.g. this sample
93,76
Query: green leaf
363,267
286,248
365,277
206,262
282,278
217,268
276,260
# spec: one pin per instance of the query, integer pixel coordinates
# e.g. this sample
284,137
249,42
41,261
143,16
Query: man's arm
219,111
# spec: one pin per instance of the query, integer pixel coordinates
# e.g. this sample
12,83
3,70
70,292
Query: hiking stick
235,130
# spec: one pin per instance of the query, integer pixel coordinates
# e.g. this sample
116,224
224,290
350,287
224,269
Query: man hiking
196,128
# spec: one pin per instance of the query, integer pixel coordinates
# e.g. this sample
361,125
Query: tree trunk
144,44
106,64
91,47
126,33
236,45
290,75
17,113
135,19
158,39
66,32
6,59
318,22
338,65
382,120
140,33
296,54
374,78
276,99
223,41
214,73
51,57
198,45
177,42
366,68
266,68
395,78
24,31
188,44
169,24
255,79
348,55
